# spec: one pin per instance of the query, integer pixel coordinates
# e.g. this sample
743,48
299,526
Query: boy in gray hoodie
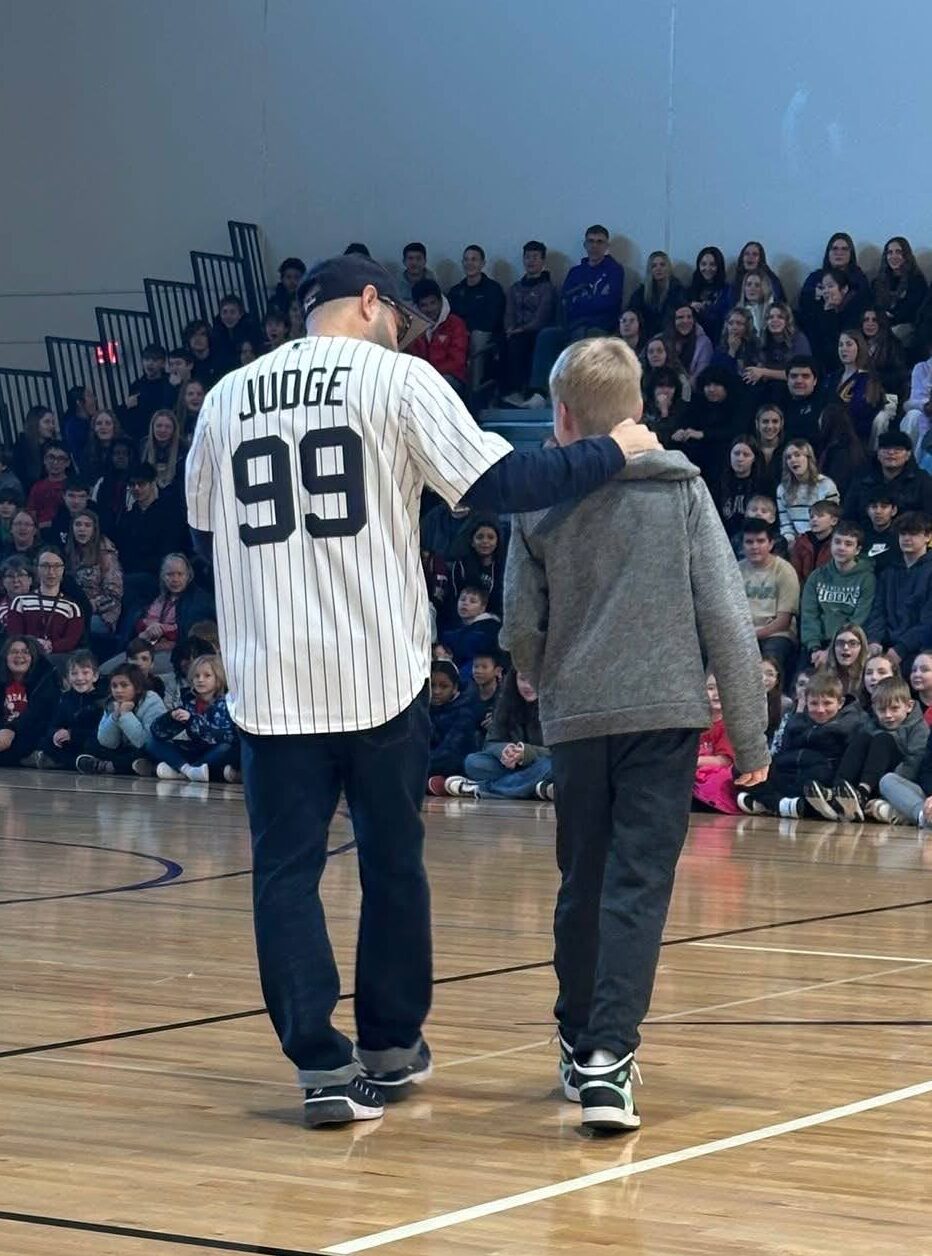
613,605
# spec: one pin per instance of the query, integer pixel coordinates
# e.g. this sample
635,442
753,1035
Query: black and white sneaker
606,1094
849,801
750,806
356,1100
392,1084
88,765
569,1079
821,798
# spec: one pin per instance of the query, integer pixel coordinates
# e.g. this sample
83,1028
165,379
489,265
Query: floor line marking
784,994
505,1204
792,950
492,1055
486,1055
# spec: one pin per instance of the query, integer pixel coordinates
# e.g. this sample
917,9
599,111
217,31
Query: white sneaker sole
610,1119
413,1079
569,1091
333,1111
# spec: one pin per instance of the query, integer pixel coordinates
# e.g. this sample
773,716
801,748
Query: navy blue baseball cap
347,276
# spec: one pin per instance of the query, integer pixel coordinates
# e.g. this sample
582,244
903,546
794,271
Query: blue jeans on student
177,753
292,788
497,781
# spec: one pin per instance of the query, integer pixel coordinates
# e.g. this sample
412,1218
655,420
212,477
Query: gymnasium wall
136,128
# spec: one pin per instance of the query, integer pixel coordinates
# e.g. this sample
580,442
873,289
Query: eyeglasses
402,317
51,566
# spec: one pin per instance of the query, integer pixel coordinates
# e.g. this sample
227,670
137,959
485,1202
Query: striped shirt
307,466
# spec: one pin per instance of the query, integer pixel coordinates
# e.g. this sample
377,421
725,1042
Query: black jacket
802,416
144,537
81,712
901,614
911,490
813,751
152,395
480,306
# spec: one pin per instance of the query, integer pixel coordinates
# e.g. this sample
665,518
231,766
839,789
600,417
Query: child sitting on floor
906,801
714,784
452,726
895,741
124,726
812,748
487,684
209,751
514,762
75,722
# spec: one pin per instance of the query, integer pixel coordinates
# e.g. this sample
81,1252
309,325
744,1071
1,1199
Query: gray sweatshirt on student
611,600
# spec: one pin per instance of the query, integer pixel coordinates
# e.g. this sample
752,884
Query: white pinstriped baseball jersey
307,466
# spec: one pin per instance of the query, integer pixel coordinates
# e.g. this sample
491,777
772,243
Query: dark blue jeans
292,787
622,814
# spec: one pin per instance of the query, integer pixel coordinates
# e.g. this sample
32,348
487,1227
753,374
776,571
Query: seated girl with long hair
209,751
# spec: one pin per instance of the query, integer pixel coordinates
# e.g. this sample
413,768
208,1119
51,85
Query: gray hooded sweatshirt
611,601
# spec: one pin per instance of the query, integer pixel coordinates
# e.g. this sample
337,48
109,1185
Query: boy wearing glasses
47,494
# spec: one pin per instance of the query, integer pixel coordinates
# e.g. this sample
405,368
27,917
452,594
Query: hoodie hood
441,319
659,464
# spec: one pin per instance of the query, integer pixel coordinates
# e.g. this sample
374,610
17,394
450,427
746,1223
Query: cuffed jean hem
389,1060
312,1079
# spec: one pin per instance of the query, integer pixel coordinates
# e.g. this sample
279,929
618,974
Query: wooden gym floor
145,1109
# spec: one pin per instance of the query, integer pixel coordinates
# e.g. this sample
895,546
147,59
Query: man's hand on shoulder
634,438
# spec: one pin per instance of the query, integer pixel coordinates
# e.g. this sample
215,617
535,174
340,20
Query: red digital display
108,353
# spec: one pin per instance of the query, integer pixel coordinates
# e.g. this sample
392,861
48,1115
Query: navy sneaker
356,1100
606,1094
392,1084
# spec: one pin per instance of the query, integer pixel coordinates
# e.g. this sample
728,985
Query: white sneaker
165,772
514,399
200,772
536,402
232,775
883,812
461,787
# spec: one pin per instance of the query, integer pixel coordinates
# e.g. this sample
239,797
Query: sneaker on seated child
812,750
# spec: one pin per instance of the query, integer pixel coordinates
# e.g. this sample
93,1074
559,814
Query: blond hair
599,382
214,664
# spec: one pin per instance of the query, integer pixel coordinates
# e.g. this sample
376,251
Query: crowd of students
810,425
811,429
